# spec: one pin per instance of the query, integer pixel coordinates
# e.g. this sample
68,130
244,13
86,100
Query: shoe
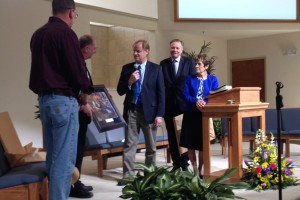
80,193
79,185
184,168
120,183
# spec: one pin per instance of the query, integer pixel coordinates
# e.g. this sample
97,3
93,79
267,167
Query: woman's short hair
203,58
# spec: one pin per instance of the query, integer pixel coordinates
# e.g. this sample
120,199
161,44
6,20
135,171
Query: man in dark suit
175,70
144,104
88,48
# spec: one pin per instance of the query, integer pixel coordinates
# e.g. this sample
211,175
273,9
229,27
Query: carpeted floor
106,187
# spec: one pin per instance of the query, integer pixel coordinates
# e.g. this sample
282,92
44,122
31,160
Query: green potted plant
204,49
161,183
218,128
37,113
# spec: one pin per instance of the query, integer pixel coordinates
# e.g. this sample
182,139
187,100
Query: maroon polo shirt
57,63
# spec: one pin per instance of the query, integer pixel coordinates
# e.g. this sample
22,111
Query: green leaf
228,173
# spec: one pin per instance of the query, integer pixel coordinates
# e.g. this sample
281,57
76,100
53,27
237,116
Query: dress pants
84,120
136,121
178,160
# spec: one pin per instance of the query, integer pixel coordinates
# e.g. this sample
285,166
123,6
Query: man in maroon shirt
58,76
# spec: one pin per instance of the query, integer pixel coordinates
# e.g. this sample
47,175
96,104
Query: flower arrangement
262,168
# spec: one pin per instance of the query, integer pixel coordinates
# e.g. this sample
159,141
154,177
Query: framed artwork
106,115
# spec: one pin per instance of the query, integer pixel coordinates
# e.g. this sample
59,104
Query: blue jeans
59,116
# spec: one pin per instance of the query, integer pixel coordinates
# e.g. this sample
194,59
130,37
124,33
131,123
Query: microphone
279,84
136,66
279,103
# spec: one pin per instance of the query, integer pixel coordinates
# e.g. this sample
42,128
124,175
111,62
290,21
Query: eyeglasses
76,14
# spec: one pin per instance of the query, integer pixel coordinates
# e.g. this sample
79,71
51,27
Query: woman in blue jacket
196,89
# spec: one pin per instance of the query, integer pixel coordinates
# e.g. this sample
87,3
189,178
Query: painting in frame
106,115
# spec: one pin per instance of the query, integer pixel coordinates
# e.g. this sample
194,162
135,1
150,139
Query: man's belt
57,92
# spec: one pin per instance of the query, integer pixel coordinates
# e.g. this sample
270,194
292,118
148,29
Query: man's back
57,62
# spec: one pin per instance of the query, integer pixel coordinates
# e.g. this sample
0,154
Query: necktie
175,65
200,90
138,100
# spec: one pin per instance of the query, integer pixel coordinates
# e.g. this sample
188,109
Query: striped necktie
138,99
200,90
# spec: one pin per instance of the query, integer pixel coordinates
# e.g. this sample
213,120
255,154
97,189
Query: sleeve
161,94
215,83
188,95
211,85
122,87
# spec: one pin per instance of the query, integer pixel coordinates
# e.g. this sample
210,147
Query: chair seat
29,173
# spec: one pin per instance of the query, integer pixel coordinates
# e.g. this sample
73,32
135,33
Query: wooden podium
246,104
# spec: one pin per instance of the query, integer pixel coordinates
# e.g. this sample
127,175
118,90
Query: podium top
239,95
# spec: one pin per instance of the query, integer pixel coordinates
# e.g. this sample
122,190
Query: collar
177,59
143,65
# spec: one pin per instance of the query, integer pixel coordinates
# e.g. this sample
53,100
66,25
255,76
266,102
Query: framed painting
106,115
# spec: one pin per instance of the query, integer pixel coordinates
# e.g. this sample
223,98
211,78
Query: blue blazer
174,84
191,87
153,91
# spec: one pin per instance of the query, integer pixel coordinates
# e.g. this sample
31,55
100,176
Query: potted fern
161,183
204,49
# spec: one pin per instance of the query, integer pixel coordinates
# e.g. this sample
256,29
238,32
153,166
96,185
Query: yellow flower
262,179
256,159
273,160
264,165
283,163
264,145
269,176
256,150
259,175
286,177
294,179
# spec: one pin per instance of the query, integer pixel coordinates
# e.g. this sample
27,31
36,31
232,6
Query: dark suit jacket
153,91
174,85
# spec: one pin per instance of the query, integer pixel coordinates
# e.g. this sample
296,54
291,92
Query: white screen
238,9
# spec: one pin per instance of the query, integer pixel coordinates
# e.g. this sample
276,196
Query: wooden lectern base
247,104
